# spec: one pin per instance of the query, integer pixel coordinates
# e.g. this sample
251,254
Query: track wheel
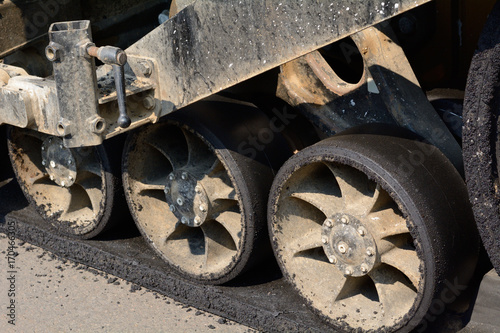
73,189
200,203
367,235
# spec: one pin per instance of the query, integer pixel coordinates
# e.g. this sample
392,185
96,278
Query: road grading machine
347,137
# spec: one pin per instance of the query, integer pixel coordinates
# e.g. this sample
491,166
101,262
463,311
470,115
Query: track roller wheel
73,189
368,238
195,198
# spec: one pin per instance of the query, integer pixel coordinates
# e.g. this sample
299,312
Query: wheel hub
59,162
187,198
349,245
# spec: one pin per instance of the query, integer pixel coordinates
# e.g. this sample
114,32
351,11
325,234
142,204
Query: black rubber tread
224,126
114,204
433,197
481,146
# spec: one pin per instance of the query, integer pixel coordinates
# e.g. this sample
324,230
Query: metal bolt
344,220
324,239
172,208
44,163
51,177
184,220
329,223
362,232
149,103
43,148
197,189
180,202
61,146
333,260
184,176
63,184
53,51
197,220
171,177
348,271
52,164
342,248
203,208
70,178
167,190
370,252
145,68
70,162
364,268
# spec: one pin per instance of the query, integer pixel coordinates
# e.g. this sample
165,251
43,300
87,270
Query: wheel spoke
406,261
142,187
387,222
218,244
58,197
231,221
359,193
308,241
91,166
39,177
200,155
216,188
168,230
93,188
393,292
172,154
326,203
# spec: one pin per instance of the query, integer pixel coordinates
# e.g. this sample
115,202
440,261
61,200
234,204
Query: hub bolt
44,163
70,162
203,208
324,240
348,271
370,252
333,260
342,247
364,268
197,221
184,220
197,189
52,164
344,220
329,223
51,177
362,231
61,146
180,202
172,208
184,176
171,177
43,148
63,183
167,190
70,178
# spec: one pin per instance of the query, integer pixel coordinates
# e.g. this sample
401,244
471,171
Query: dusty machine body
333,132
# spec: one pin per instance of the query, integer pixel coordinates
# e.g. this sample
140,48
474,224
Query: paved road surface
54,295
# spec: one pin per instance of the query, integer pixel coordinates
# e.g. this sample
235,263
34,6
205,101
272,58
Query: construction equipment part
198,201
368,241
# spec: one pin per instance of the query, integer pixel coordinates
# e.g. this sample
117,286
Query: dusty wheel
366,239
200,203
74,189
481,136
